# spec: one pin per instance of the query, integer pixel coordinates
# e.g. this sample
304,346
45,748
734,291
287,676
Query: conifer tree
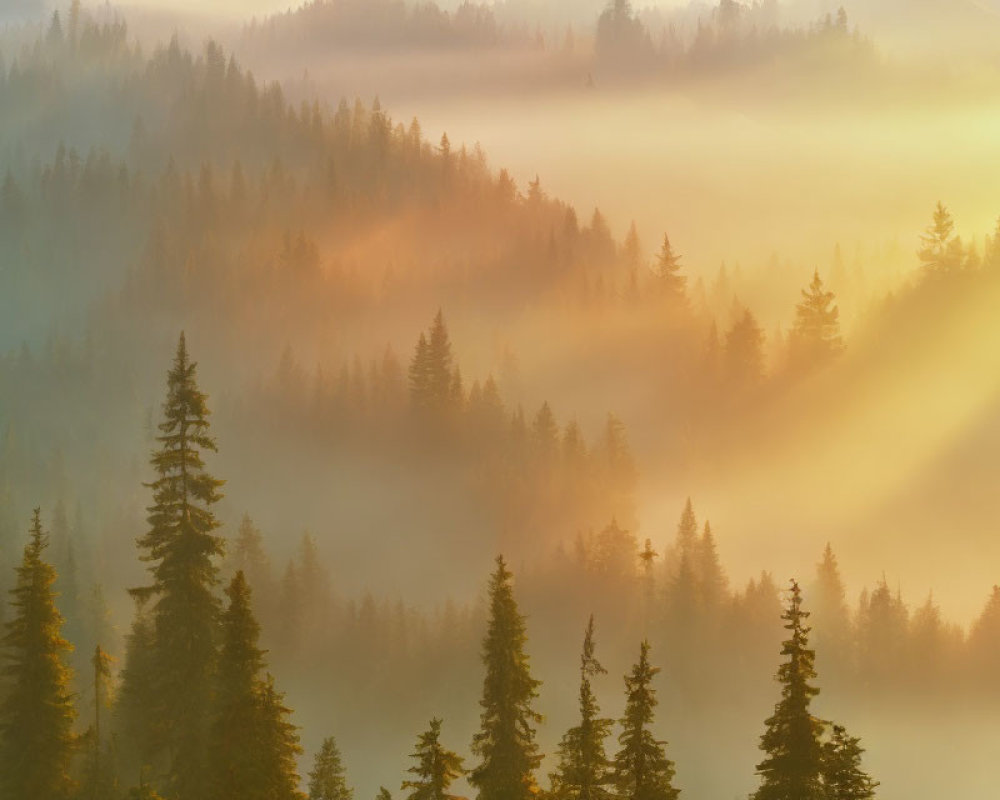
99,781
672,284
252,746
744,352
941,251
436,768
832,617
583,771
843,777
36,717
328,779
143,737
815,337
642,770
383,794
792,768
506,742
181,546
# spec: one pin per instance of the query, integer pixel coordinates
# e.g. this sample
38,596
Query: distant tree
99,780
383,794
843,777
505,743
252,747
436,768
984,644
815,337
432,369
941,251
642,770
583,771
832,616
36,716
181,547
142,733
670,282
686,539
328,779
744,352
711,576
792,768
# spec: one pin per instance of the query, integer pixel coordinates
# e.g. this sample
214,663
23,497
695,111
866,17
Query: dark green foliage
252,746
843,777
642,770
436,768
181,547
36,717
506,741
328,779
792,768
583,771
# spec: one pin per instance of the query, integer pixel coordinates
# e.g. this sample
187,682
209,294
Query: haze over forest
667,304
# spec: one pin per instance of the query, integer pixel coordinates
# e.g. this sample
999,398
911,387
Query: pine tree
642,770
744,352
436,767
328,779
506,741
843,777
791,740
832,617
181,545
36,717
142,732
941,251
671,283
815,336
583,771
687,532
99,780
252,747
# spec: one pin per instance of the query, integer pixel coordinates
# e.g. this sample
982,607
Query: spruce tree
252,746
843,777
642,770
181,546
436,767
815,335
99,780
584,771
671,282
940,251
506,742
328,779
36,717
142,732
743,357
792,768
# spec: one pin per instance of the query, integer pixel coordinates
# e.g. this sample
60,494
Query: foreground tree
252,745
181,547
328,779
506,743
843,777
792,769
583,771
36,718
436,768
642,770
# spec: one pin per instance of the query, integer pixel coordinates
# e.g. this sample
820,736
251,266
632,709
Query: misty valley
509,401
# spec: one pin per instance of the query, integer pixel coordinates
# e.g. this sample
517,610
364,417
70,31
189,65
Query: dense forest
273,580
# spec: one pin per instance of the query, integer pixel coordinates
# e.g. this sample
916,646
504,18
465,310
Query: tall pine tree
584,771
181,546
792,769
328,779
36,717
642,770
506,742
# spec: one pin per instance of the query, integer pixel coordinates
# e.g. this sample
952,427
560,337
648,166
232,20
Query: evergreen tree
252,746
843,777
687,531
36,717
432,369
506,741
328,779
831,615
383,794
672,284
142,732
583,771
642,770
744,352
941,251
99,780
815,336
791,740
181,545
436,767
